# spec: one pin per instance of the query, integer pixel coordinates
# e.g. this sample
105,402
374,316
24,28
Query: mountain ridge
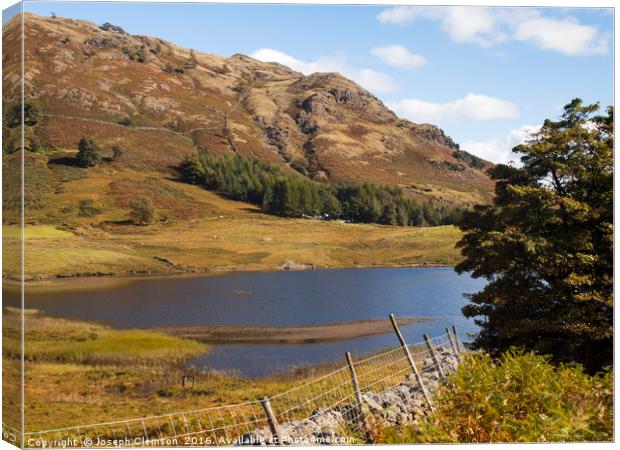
176,101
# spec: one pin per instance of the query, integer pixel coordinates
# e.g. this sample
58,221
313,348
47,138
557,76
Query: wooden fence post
356,387
459,344
431,350
403,344
453,343
358,396
185,378
271,419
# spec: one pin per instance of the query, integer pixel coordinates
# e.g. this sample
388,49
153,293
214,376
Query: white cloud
399,56
368,78
565,36
476,107
399,15
471,25
491,26
271,55
373,80
500,150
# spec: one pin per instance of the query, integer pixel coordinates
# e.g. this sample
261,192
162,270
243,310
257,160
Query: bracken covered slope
89,80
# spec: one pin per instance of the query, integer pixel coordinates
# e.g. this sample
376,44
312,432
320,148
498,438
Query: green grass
114,347
67,341
521,397
34,232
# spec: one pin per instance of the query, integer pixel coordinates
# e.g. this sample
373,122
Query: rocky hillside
160,103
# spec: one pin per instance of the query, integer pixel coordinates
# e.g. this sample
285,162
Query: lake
276,299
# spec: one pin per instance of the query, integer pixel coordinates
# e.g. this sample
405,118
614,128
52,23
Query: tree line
276,192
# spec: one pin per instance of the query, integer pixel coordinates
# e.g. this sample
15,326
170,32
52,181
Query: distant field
199,231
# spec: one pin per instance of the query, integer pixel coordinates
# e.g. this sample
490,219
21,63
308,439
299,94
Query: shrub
13,140
88,153
126,121
521,397
469,159
117,152
143,211
32,114
86,208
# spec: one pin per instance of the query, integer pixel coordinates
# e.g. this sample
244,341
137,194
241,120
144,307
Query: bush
142,211
88,153
86,208
32,114
126,121
469,159
117,152
521,397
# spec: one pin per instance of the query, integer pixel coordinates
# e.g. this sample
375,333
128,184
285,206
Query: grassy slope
198,231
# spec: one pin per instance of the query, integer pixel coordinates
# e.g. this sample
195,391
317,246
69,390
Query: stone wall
400,405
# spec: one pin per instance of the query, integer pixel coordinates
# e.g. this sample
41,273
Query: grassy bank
80,372
199,231
74,367
288,335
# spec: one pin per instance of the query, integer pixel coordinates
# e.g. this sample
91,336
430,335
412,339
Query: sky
487,76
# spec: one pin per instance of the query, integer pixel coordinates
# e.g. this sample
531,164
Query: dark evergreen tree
546,244
292,195
88,153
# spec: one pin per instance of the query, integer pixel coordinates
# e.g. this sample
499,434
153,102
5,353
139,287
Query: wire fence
329,407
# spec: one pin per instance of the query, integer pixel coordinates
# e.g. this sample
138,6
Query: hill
150,104
90,79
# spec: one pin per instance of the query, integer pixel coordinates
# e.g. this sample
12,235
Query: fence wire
328,402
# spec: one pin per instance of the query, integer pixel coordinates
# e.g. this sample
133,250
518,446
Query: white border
545,3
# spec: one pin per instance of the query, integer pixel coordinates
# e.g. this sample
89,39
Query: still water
276,299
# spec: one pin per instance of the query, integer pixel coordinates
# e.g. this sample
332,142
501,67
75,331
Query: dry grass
143,148
197,231
81,373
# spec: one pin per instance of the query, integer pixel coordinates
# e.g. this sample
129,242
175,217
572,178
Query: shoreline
103,282
304,334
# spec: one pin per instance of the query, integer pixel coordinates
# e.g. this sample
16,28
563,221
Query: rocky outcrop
429,133
115,28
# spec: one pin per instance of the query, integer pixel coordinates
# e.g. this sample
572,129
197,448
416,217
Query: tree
88,153
142,211
546,244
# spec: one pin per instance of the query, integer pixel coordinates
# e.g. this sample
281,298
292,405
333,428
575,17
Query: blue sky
486,76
